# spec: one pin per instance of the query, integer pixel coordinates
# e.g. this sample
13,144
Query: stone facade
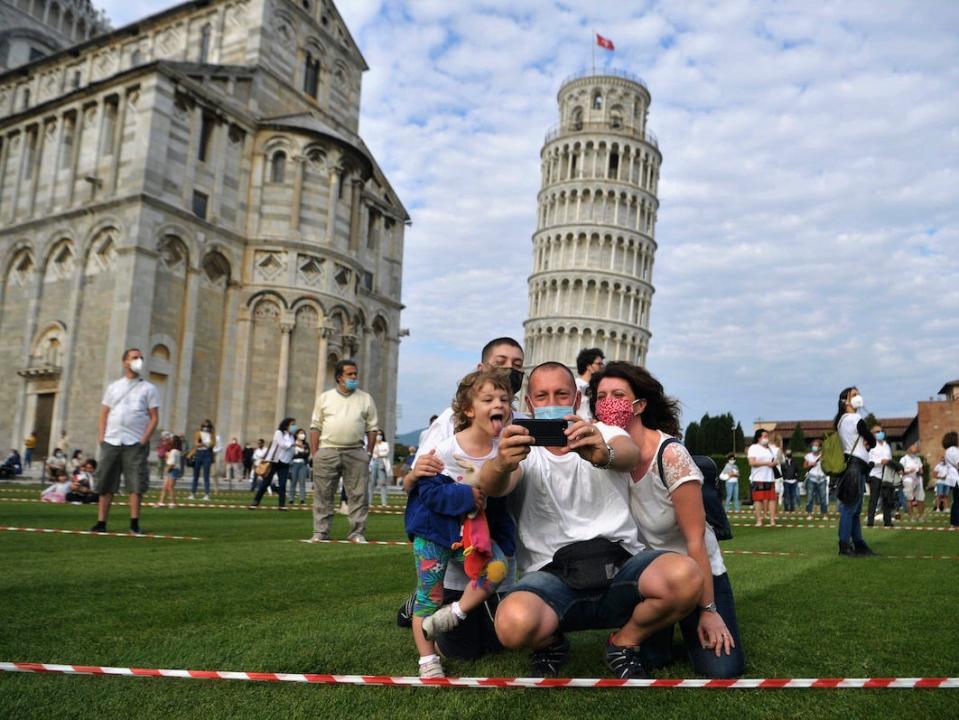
593,248
194,185
31,29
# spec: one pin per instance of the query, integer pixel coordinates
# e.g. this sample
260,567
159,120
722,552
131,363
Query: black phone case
546,433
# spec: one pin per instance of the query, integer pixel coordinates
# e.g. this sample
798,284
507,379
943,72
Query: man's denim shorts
591,609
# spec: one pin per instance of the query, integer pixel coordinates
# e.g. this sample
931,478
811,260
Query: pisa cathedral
594,243
194,185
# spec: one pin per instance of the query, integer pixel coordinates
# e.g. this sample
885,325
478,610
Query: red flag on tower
604,42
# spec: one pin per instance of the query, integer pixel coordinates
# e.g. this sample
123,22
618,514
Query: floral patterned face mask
617,411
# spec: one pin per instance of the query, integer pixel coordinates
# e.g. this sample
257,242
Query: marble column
282,376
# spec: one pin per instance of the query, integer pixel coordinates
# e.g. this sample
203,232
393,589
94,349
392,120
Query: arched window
205,43
597,100
278,167
577,118
311,75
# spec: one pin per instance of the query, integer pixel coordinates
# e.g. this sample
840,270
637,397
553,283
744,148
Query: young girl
171,461
438,504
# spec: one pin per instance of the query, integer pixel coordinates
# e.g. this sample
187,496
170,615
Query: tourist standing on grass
790,473
880,456
762,481
577,497
950,443
668,510
166,442
128,417
940,472
817,484
300,467
588,361
233,457
380,468
856,441
172,460
912,488
204,441
280,455
730,475
342,436
29,444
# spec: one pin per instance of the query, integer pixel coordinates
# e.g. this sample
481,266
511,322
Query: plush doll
476,541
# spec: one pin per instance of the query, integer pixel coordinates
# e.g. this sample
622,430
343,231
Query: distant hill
409,438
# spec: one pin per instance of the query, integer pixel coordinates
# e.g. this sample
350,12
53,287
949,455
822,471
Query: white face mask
136,365
764,441
857,402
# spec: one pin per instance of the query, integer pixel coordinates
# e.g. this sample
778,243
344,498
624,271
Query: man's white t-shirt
562,499
650,501
952,466
583,409
130,402
881,452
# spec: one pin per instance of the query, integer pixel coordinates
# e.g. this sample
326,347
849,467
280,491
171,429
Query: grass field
249,596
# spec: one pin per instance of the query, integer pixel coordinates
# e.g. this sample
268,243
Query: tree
871,421
740,439
797,443
693,439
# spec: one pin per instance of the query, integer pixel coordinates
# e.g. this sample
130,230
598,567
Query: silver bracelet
609,461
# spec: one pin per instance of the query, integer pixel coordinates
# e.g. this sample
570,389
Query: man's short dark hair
489,347
341,366
552,365
432,418
126,353
586,357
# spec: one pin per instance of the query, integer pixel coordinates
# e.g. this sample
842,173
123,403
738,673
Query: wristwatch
711,607
609,461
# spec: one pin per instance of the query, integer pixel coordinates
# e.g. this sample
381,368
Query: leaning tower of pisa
593,248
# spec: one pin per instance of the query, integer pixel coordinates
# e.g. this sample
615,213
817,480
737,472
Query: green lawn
250,597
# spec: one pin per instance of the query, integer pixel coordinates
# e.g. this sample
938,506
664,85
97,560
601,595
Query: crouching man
581,564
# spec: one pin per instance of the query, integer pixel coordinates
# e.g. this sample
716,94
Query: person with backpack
666,501
857,441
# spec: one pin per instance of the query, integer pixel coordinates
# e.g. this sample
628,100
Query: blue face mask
293,429
552,412
880,435
351,385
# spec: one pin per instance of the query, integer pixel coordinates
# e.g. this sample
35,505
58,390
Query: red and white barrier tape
150,536
493,682
810,525
395,543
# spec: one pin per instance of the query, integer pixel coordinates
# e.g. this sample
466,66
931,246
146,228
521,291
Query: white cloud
808,224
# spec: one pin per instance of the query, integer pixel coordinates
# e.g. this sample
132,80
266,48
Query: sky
809,192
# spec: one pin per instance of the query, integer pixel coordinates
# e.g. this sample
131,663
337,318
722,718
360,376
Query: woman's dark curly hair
662,411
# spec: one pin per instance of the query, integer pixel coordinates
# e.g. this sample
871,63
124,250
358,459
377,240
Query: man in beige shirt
342,437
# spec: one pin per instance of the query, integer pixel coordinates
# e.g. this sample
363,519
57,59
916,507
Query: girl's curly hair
470,385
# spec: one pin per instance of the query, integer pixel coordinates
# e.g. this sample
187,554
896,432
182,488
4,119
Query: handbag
588,564
847,489
264,466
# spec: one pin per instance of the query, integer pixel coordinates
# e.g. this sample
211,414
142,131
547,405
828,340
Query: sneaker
847,549
432,669
318,539
624,661
357,538
99,528
137,531
207,498
191,497
547,661
440,622
404,616
863,550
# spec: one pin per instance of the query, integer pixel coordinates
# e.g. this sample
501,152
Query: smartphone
548,433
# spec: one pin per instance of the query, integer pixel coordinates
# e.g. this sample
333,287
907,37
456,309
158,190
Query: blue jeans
732,494
850,526
299,472
656,651
817,491
27,457
202,459
954,513
790,494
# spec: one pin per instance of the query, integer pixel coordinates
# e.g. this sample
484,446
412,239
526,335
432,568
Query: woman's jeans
202,458
732,494
656,651
378,480
850,526
817,491
299,472
790,493
282,472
